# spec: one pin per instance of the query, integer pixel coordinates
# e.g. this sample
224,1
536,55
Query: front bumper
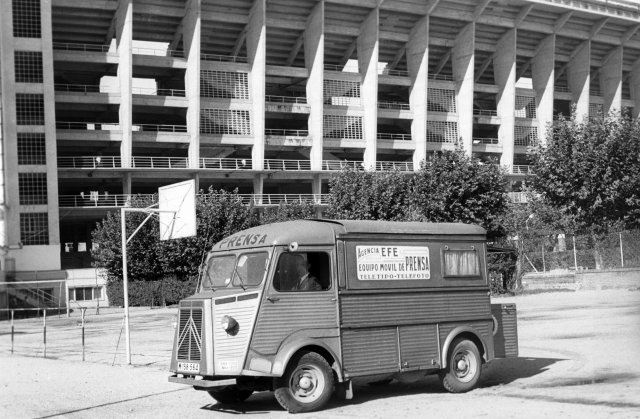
201,383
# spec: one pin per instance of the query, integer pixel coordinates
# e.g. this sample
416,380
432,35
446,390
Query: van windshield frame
240,270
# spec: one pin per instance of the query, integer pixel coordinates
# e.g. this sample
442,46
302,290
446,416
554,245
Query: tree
218,214
453,187
590,171
285,212
360,195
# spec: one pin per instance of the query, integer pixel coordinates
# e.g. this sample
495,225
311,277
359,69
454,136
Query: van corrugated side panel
412,307
292,312
506,336
370,351
418,346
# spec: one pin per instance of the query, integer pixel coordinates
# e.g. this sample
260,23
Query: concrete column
126,184
367,45
257,55
543,78
314,61
463,57
578,75
316,190
50,130
9,212
611,82
634,84
191,41
124,42
504,69
258,187
196,178
417,53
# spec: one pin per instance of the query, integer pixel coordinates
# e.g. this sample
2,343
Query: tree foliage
358,195
285,212
172,263
449,187
590,171
453,187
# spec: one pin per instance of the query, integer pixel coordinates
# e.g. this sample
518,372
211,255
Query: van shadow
498,372
506,370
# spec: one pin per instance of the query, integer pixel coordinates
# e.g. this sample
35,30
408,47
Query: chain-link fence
568,252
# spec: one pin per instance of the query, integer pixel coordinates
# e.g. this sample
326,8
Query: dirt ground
578,359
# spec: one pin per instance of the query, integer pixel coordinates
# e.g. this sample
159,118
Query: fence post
575,257
83,311
12,331
44,330
621,251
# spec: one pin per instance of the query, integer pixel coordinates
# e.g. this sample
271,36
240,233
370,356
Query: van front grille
190,334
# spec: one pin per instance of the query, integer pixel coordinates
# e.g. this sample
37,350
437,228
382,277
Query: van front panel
230,349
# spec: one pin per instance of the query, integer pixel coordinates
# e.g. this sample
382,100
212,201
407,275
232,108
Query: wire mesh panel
28,66
224,84
225,121
441,100
29,109
525,136
596,110
344,127
560,252
34,228
31,148
526,107
26,19
32,188
442,132
342,93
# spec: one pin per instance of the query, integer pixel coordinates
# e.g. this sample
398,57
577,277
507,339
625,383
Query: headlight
229,325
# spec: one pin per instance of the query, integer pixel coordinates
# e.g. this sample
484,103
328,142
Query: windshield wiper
242,285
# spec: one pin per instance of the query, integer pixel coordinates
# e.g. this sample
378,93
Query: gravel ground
577,360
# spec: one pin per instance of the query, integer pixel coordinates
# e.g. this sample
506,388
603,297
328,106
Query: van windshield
230,271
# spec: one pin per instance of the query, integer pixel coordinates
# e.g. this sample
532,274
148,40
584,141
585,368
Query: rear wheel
306,385
230,394
463,367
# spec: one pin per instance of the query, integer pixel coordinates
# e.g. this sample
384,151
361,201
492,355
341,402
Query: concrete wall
585,280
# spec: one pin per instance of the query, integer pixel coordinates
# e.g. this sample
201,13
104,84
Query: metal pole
621,252
544,266
66,291
575,257
125,282
12,332
83,310
44,331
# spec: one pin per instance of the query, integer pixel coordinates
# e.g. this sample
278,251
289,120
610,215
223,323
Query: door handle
273,299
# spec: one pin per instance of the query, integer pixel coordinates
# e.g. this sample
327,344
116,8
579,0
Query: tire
307,383
230,394
463,367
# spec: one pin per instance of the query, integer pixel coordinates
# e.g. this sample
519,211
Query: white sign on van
392,262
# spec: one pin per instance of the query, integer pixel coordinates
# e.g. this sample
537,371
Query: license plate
188,366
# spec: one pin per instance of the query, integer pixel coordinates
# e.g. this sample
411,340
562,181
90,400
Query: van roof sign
324,232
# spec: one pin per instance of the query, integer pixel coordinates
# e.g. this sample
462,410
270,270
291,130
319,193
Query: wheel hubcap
307,383
465,366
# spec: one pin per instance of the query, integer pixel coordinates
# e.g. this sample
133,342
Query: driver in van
306,281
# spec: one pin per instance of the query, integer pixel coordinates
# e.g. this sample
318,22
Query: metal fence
580,252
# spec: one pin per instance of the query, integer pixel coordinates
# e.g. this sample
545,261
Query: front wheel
306,385
463,367
230,394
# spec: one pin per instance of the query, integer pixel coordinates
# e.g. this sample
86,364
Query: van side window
302,271
461,262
